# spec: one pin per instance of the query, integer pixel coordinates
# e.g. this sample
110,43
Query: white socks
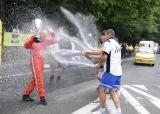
119,111
102,110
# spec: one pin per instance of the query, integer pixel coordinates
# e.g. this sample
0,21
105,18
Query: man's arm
97,52
100,55
51,41
94,54
28,43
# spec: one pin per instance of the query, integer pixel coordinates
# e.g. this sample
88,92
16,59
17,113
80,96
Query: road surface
76,91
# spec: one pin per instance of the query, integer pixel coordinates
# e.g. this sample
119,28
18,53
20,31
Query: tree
132,20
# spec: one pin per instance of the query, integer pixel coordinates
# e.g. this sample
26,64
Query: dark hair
102,33
109,31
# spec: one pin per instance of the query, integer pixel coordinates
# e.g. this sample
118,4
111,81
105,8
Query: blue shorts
110,81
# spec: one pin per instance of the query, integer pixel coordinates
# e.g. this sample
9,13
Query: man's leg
52,71
40,83
52,75
102,97
41,89
29,90
30,86
116,100
60,72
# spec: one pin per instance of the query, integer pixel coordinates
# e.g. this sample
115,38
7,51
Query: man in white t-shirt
112,72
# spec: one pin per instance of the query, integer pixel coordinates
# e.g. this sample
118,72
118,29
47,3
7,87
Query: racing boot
27,98
43,101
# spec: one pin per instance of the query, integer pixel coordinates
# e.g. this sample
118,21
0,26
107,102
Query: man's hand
97,65
83,53
50,29
37,33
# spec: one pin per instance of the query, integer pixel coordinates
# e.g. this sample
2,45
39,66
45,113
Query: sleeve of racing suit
29,42
53,39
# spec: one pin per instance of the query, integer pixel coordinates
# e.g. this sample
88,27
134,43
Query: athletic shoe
104,112
43,101
27,98
118,112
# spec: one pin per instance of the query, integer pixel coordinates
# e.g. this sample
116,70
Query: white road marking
141,87
151,98
14,75
96,112
17,75
140,109
21,74
135,103
13,64
87,109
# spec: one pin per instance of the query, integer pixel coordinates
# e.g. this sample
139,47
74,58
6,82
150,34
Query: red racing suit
37,63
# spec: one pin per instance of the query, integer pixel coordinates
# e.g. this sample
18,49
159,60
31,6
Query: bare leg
115,98
102,97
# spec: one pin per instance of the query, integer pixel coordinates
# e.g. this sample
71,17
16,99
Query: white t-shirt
113,50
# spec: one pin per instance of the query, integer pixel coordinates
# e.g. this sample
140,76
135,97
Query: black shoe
27,98
43,101
58,77
52,77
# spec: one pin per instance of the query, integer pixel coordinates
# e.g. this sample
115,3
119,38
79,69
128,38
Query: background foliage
133,20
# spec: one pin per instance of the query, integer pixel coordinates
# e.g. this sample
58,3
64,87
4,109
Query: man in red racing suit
37,64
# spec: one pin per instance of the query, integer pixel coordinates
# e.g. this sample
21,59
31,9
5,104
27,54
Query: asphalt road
77,88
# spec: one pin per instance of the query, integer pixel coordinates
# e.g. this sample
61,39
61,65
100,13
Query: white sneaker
118,112
104,112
